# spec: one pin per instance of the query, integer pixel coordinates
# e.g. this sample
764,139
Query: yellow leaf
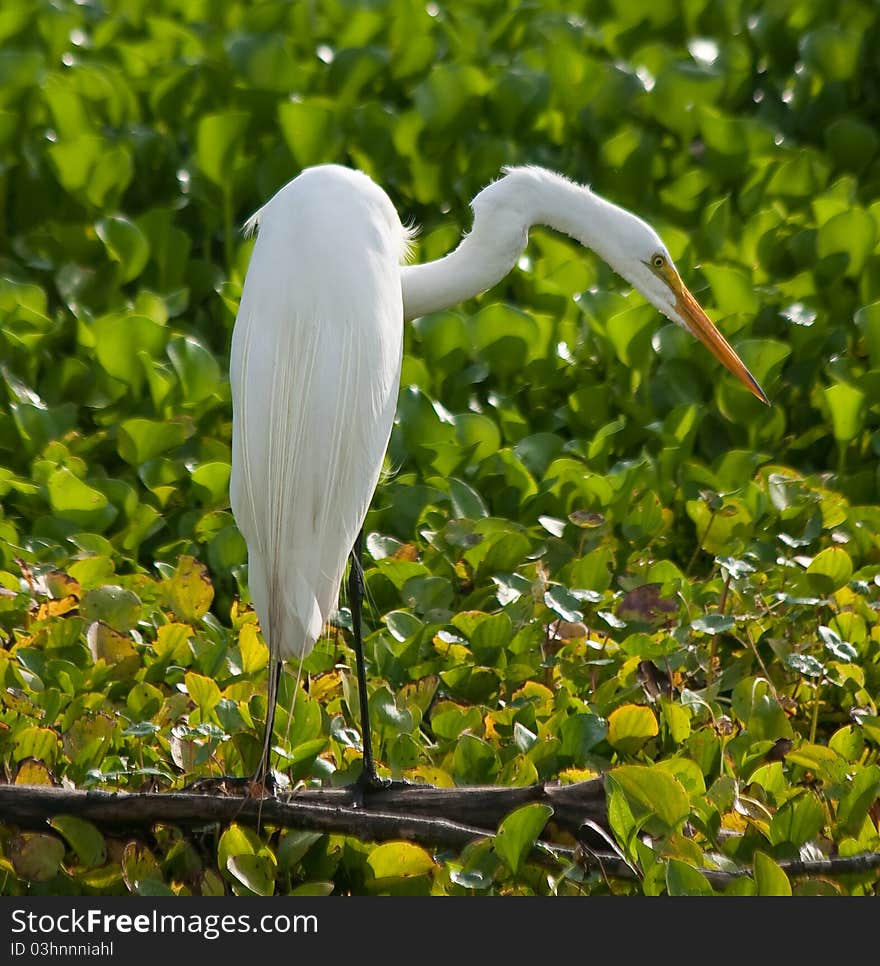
431,775
325,685
399,860
33,773
114,649
202,690
254,653
570,776
630,726
189,592
55,608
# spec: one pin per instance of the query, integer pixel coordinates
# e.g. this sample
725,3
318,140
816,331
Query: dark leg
369,779
264,774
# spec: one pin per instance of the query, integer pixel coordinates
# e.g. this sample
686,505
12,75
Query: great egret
315,366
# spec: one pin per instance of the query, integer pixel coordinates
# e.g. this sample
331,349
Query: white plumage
314,374
316,356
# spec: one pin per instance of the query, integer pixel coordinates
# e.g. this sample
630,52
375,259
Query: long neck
503,214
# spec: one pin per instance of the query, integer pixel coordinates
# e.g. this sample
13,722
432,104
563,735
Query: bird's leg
369,779
264,772
263,776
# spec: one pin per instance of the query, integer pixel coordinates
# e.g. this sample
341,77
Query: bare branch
417,813
420,812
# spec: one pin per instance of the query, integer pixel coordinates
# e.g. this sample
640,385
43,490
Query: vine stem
700,542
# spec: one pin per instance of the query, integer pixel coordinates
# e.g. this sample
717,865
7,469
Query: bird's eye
658,261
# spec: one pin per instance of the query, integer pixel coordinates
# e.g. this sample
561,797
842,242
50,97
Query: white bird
315,367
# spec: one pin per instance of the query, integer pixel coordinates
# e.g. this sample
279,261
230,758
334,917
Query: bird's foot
370,783
263,785
254,786
219,785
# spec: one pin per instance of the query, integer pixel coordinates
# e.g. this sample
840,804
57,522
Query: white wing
314,373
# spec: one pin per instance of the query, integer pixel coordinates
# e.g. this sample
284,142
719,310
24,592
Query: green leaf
805,664
652,791
152,887
714,624
684,880
764,358
196,367
313,889
630,333
851,143
255,872
36,857
478,435
121,339
859,798
426,594
139,866
444,339
867,319
443,98
113,605
219,140
563,603
125,244
538,451
83,837
621,820
311,130
769,878
466,502
390,717
38,743
830,569
237,840
825,764
449,720
474,761
211,482
733,291
846,405
504,337
754,703
798,821
487,633
518,832
293,847
852,233
144,439
580,734
402,624
73,499
88,739
593,571
678,722
832,50
847,742
89,167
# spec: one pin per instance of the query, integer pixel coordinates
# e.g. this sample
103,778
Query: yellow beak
701,326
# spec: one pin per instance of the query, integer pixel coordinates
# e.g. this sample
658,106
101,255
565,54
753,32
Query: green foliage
595,554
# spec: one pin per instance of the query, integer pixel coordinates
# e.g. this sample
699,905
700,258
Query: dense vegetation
593,553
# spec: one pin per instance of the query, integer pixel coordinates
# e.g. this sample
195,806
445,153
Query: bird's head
635,251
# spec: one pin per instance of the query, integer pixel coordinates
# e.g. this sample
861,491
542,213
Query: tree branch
416,813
